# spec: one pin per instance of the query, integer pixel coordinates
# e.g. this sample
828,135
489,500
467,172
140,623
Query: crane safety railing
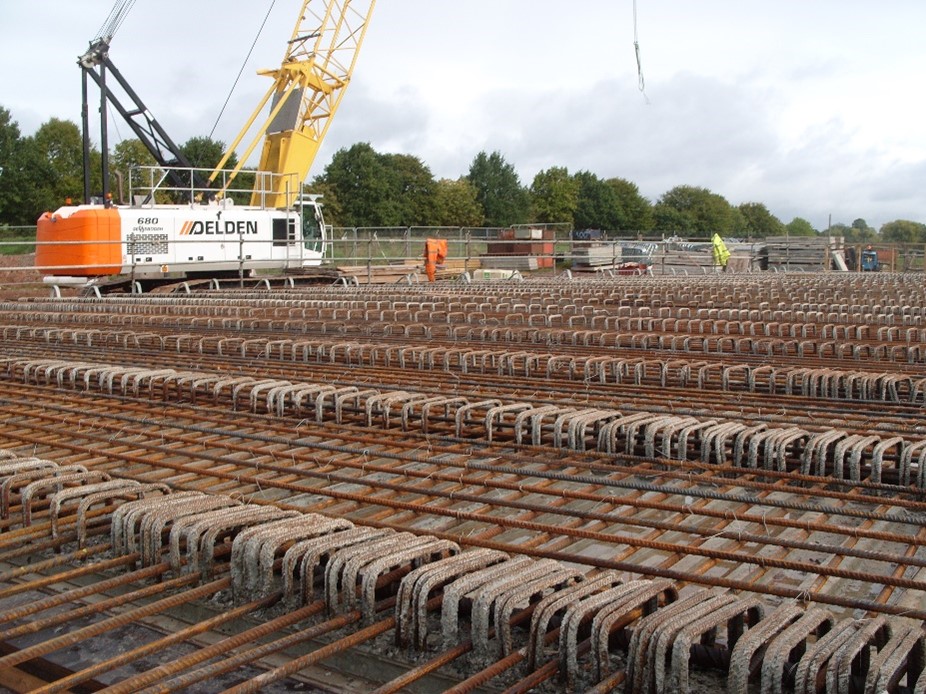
149,185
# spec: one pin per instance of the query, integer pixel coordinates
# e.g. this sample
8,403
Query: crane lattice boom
307,89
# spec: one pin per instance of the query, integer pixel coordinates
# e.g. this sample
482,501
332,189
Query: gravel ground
16,283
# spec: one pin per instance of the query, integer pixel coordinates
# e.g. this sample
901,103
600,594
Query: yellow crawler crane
199,234
307,89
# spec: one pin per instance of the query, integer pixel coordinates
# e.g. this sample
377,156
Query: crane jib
210,228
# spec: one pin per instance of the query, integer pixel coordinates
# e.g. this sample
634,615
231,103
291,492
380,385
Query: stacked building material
523,248
514,262
381,274
685,258
693,261
451,268
595,255
591,252
804,253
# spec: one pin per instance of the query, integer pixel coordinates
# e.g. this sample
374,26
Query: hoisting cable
246,59
636,49
116,16
115,123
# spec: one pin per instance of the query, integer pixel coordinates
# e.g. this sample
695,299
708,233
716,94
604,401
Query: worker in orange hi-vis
435,252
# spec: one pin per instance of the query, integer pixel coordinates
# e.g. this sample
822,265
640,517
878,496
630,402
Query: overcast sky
813,107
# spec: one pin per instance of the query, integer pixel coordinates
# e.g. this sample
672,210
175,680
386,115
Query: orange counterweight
84,243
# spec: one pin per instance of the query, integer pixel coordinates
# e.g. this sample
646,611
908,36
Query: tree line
365,188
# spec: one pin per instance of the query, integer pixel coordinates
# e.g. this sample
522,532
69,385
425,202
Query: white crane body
173,241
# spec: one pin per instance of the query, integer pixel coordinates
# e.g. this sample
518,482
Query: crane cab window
311,229
284,231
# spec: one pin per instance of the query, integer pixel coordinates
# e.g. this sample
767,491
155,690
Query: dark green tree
59,144
703,212
367,189
329,198
9,130
498,190
128,154
554,196
758,222
361,184
859,232
635,210
800,227
10,141
124,161
455,203
16,185
413,189
597,206
738,222
698,211
903,231
840,229
670,219
205,153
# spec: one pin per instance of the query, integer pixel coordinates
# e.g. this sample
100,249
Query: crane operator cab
313,224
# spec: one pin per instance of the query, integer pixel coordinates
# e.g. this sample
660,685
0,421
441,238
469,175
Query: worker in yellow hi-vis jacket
721,254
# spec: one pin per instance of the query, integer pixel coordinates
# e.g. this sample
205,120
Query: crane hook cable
116,16
636,48
246,59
